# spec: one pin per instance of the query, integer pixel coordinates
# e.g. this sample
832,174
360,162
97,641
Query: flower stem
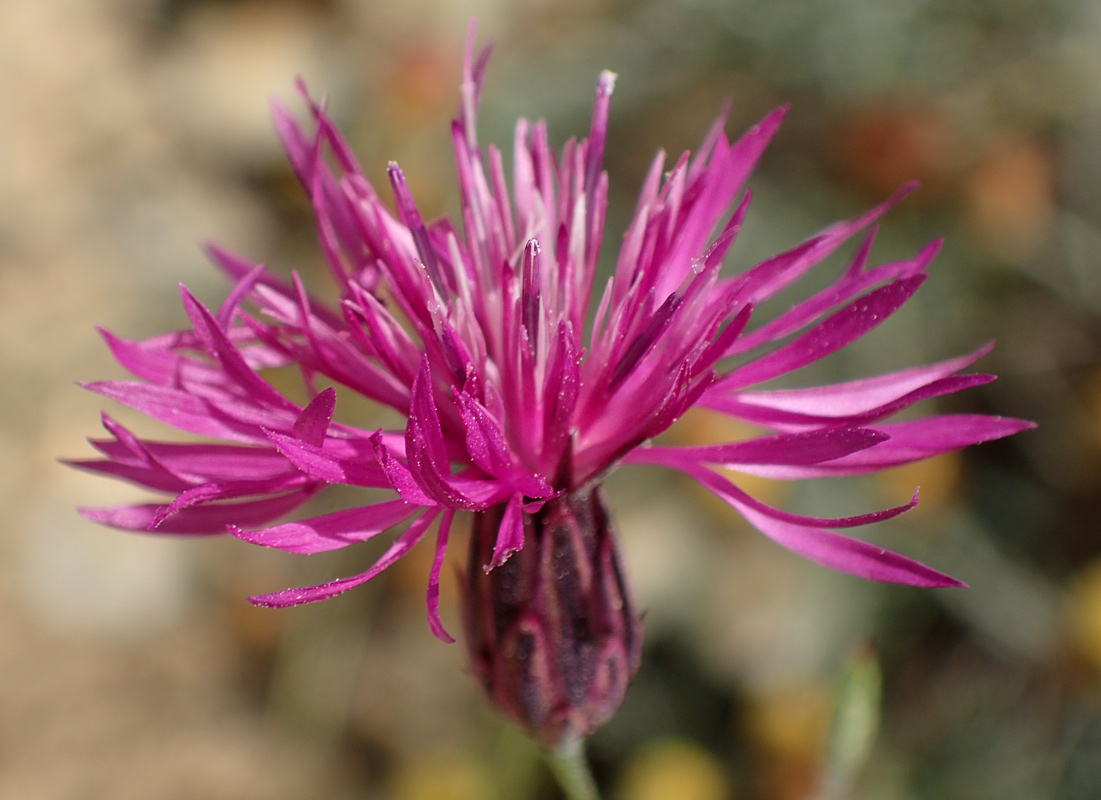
567,762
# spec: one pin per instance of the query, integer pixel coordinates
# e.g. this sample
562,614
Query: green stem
567,762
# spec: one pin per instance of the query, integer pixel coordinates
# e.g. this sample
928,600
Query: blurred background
133,667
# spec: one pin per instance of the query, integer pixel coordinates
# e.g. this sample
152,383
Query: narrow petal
485,441
311,594
858,396
561,391
412,219
849,555
398,474
323,466
922,438
836,331
910,441
774,274
195,462
726,173
428,461
850,285
224,351
140,475
192,414
200,520
314,420
433,595
831,549
171,360
810,447
216,492
330,531
238,269
510,536
725,489
240,291
780,419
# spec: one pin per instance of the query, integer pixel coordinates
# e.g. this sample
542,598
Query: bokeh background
132,667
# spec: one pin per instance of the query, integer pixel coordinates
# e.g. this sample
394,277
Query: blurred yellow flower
674,769
441,776
1084,613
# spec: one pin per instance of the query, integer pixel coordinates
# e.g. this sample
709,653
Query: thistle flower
476,335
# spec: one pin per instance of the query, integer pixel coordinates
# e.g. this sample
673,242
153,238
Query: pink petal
238,269
330,531
848,287
433,595
163,360
149,477
214,492
849,555
323,466
724,176
186,412
762,414
311,594
836,331
828,548
857,397
485,441
200,520
200,462
910,441
226,353
773,275
561,390
428,461
314,420
399,475
510,535
809,447
236,296
725,489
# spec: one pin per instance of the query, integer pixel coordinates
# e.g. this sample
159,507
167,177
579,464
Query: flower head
522,378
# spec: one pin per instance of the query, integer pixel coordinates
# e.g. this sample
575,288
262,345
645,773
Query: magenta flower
476,335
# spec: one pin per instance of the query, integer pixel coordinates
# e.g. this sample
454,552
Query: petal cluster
520,375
